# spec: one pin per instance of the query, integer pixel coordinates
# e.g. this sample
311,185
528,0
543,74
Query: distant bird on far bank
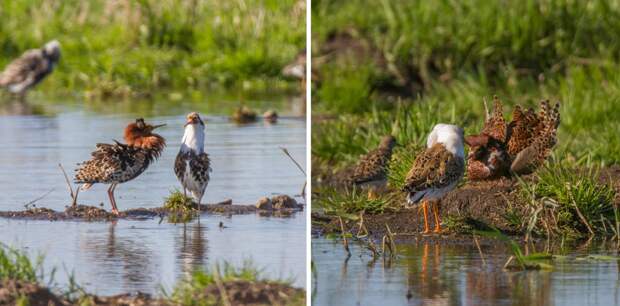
118,163
243,115
30,68
192,165
371,171
436,171
270,116
297,69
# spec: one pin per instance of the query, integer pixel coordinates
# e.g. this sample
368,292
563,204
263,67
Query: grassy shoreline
24,282
125,48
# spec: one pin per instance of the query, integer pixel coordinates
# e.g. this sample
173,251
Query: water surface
111,258
441,274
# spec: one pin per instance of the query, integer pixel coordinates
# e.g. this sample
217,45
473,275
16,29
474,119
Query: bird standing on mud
192,165
371,171
30,68
437,170
118,163
517,147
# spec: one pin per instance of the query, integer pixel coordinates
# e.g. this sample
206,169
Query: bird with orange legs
436,171
118,163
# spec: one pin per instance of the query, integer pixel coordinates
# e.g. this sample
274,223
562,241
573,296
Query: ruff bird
436,171
192,165
118,163
31,68
517,147
297,69
371,170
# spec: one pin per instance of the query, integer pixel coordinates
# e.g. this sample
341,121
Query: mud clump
284,201
12,291
253,293
264,203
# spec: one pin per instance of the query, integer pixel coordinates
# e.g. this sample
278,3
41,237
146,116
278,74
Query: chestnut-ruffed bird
118,163
192,165
371,171
437,170
518,147
30,68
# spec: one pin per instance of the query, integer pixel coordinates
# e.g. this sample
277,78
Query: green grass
560,194
136,47
15,264
191,291
180,208
347,202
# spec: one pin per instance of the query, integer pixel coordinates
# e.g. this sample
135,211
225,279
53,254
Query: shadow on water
436,273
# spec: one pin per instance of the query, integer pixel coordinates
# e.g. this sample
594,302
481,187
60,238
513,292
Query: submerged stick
39,198
73,195
303,190
479,250
344,237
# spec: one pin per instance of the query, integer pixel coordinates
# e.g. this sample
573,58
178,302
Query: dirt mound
251,293
12,291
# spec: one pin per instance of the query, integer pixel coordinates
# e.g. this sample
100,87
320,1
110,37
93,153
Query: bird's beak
190,121
158,126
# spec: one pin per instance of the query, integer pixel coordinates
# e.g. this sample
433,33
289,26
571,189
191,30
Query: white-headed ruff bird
31,68
192,165
437,170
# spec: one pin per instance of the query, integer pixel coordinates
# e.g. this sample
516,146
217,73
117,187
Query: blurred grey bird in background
30,68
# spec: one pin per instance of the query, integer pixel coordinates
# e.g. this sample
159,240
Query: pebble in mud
264,203
283,201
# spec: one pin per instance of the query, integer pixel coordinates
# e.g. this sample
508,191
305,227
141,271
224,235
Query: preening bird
371,170
118,163
518,147
436,171
30,68
192,165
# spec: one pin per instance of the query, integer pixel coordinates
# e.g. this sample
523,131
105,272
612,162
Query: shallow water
440,274
142,255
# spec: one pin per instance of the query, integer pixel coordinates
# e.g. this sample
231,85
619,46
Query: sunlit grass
120,48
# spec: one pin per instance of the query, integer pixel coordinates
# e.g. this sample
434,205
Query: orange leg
436,213
425,207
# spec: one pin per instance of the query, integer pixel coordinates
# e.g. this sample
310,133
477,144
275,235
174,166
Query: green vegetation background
399,67
125,47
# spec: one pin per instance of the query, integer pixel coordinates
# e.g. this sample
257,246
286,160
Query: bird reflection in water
191,246
126,261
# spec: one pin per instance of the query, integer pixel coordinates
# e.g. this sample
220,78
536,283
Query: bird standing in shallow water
437,170
371,171
192,165
30,68
118,163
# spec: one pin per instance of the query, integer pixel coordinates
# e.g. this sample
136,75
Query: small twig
303,189
39,198
77,191
362,227
507,264
391,237
344,237
583,219
479,250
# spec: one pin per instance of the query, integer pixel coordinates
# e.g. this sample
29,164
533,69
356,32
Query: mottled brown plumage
371,170
30,68
434,169
118,163
529,139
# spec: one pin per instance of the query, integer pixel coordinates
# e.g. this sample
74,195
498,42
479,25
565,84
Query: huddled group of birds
500,149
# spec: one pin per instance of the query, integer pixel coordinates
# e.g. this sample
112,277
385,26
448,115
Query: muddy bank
237,293
93,213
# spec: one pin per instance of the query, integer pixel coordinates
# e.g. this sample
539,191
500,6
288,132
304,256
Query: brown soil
475,205
238,293
92,213
252,293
